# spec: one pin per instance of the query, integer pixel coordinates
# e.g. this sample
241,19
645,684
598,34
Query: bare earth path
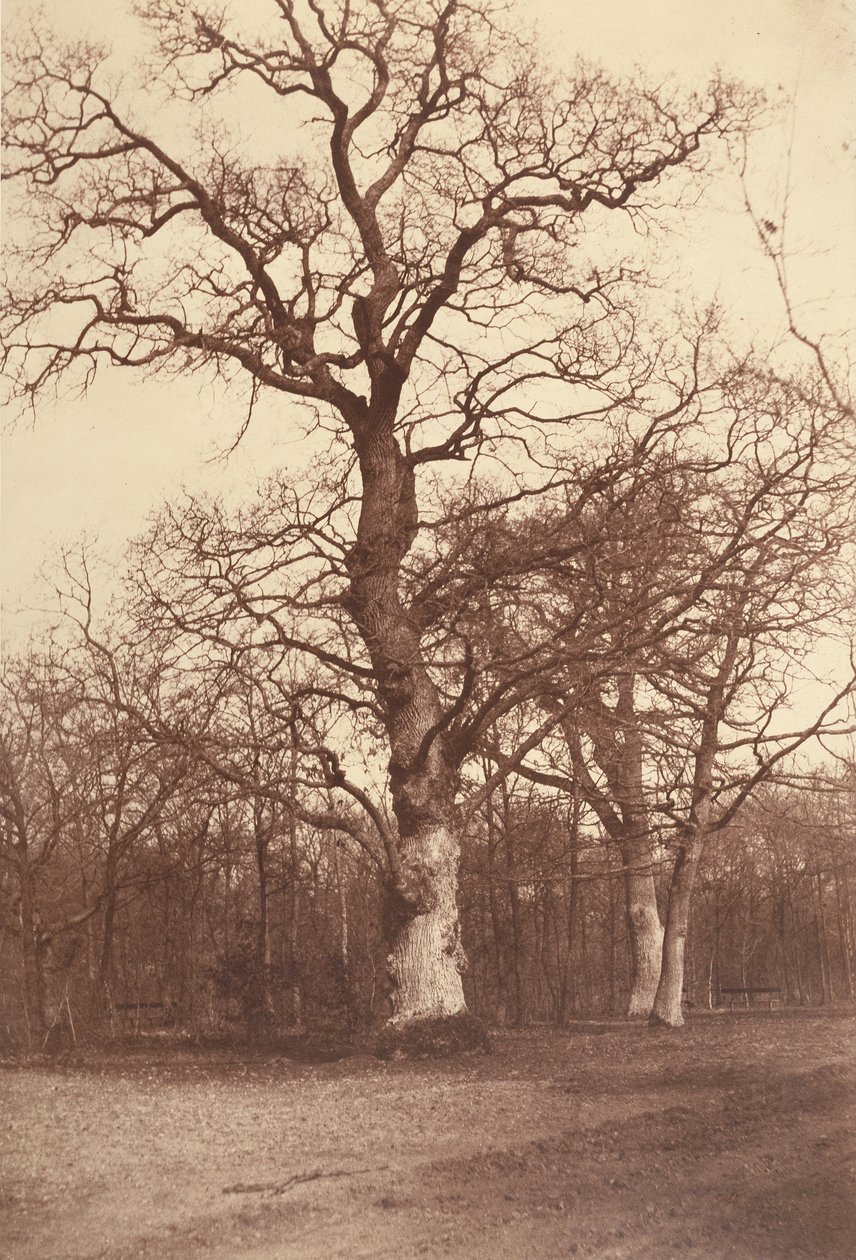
732,1140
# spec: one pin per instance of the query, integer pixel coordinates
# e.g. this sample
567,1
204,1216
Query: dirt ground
733,1139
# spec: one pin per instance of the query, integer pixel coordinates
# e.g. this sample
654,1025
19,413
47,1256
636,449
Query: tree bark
643,918
104,997
261,1006
667,1009
644,929
294,907
425,959
827,995
844,932
517,937
693,835
32,960
568,988
497,934
619,751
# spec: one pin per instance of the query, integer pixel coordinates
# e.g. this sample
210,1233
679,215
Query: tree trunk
261,1008
584,954
667,1004
645,930
344,935
796,933
421,921
619,751
493,903
714,983
844,931
827,996
567,988
32,962
104,996
520,1011
425,960
667,1008
787,983
643,918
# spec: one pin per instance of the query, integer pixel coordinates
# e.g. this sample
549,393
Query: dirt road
734,1139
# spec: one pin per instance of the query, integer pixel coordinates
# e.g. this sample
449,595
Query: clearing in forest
732,1139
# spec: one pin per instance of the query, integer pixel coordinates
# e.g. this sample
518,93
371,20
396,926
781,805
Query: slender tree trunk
668,1002
570,989
104,995
495,921
796,933
619,750
845,931
553,952
827,995
584,952
781,926
715,979
294,902
520,1011
344,935
261,1010
32,961
611,935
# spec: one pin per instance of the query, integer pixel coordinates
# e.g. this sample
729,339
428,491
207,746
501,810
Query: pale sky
102,464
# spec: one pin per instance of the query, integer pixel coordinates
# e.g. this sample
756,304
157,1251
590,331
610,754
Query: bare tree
727,722
39,767
379,282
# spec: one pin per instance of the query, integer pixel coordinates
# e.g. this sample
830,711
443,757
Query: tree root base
433,1038
657,1021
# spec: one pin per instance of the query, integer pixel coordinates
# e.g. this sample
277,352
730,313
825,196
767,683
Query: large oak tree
425,263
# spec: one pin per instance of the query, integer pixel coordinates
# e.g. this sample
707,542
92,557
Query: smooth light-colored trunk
619,751
646,940
668,1003
670,991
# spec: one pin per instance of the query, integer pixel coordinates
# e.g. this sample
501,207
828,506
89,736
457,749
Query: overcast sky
100,465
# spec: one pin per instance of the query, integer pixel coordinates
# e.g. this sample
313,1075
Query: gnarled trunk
426,959
422,927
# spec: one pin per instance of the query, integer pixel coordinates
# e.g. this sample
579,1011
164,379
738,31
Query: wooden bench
147,1014
750,994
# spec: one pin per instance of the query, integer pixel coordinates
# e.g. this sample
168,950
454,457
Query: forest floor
733,1139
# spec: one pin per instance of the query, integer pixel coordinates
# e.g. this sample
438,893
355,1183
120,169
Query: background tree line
182,845
563,552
